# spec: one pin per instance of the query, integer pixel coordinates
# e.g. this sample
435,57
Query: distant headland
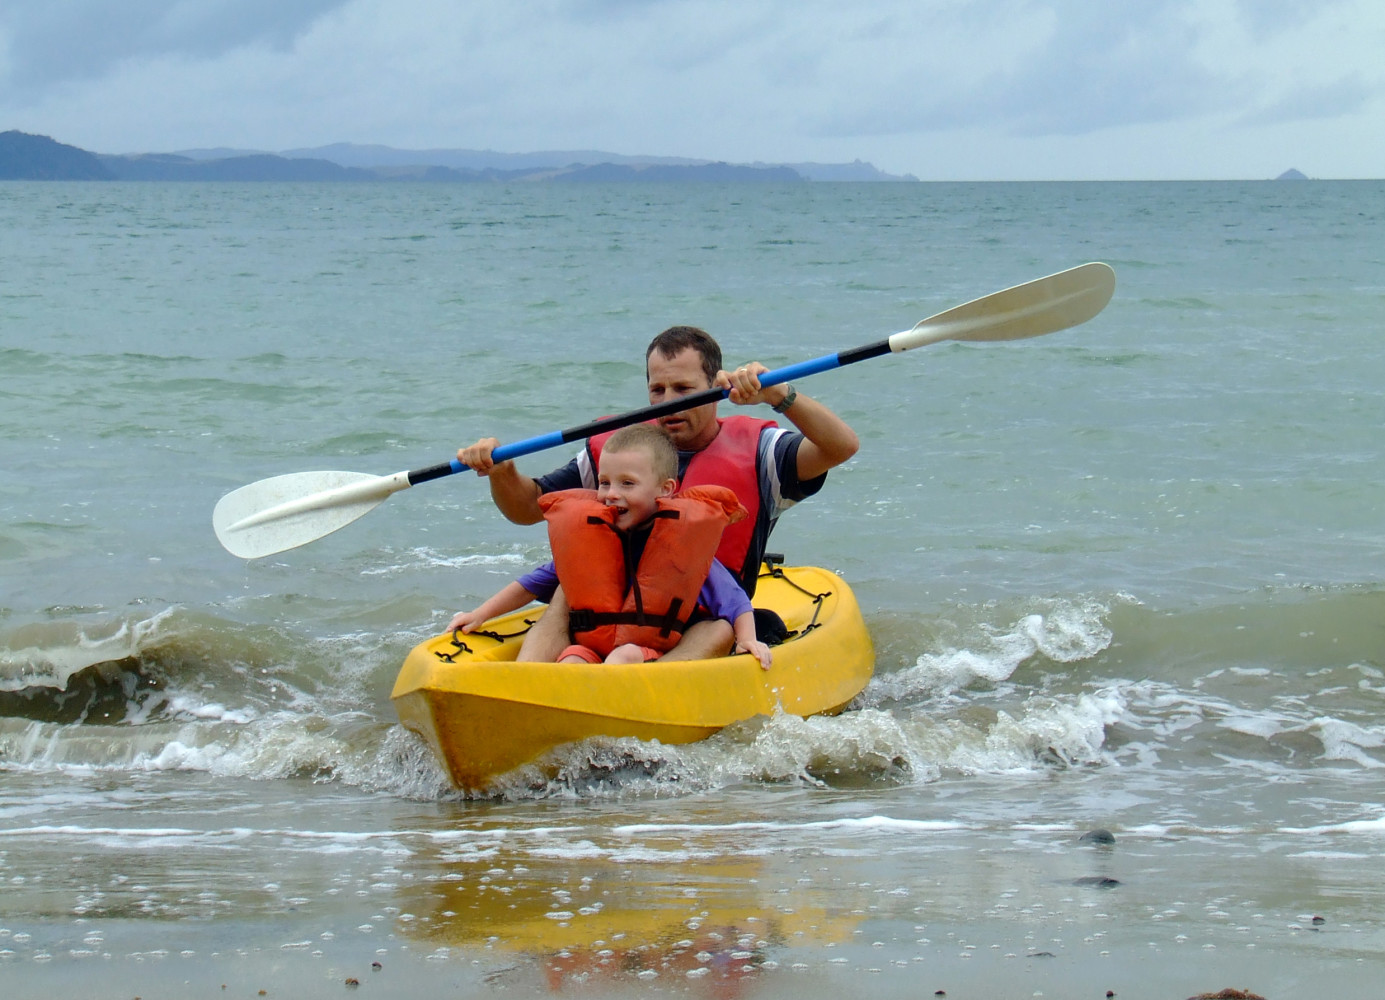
39,157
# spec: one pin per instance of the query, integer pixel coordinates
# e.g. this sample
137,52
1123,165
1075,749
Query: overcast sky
942,89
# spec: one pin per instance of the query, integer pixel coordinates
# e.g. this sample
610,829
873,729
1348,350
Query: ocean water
1129,576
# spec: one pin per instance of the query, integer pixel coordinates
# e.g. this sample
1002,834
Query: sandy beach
607,900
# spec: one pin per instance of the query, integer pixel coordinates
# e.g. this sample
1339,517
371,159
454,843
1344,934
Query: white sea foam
425,557
278,746
1261,725
872,744
1348,741
873,824
1374,827
70,647
787,747
186,706
1064,632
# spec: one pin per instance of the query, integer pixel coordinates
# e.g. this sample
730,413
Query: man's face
682,375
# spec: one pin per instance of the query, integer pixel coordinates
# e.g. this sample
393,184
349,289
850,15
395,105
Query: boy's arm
510,597
724,597
746,641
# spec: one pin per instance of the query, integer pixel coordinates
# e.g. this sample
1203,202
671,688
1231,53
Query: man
770,468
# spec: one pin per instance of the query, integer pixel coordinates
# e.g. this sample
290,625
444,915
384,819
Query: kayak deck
485,714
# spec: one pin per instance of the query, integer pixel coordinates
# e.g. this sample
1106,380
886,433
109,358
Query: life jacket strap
586,620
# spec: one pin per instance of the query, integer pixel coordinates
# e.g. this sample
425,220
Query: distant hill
858,170
511,164
256,167
35,157
1292,175
476,160
605,173
25,157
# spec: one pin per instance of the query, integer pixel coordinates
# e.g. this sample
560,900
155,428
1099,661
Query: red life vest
731,460
649,604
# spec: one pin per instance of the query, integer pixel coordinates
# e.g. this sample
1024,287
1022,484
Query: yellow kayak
485,714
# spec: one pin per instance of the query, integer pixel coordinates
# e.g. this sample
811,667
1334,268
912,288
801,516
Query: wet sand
977,960
539,909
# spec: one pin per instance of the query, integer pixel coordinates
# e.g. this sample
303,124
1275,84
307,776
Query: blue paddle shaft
542,442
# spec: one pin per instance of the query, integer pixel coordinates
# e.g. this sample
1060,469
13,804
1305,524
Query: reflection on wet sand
714,922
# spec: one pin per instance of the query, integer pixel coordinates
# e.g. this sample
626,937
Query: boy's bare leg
703,641
628,653
548,637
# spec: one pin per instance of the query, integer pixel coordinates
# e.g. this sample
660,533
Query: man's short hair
648,438
677,339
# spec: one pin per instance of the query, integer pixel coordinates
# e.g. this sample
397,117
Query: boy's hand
757,649
464,620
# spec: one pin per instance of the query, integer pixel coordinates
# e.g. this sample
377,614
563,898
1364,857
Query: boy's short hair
648,438
677,339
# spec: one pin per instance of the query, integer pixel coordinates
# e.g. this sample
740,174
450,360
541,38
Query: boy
636,560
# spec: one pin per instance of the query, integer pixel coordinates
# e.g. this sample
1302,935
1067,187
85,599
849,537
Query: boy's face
626,481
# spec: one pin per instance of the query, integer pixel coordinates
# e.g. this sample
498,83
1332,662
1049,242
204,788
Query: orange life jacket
613,602
731,460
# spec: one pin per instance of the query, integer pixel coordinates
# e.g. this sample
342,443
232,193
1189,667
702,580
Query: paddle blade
1044,305
287,511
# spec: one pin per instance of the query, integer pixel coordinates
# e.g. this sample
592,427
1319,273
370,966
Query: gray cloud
1102,66
1117,64
1106,65
1266,18
1345,96
51,41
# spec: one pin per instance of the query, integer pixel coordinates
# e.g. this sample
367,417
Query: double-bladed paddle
287,511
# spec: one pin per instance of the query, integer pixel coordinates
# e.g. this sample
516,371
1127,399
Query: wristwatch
789,399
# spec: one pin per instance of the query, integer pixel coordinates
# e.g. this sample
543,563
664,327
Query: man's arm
514,494
828,440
